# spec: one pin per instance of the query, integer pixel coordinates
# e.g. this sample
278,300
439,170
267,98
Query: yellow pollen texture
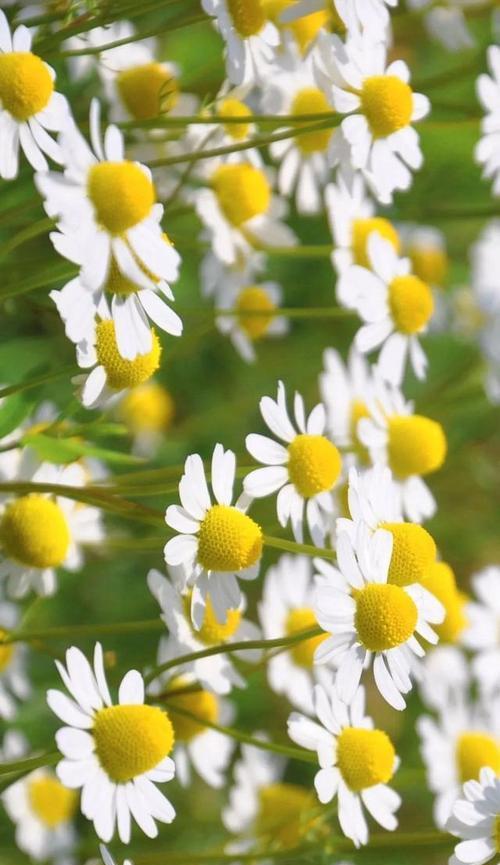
147,408
303,619
25,84
34,532
242,192
52,803
312,100
235,108
474,750
411,303
361,231
365,757
314,464
122,195
212,632
248,16
440,581
413,553
6,651
387,103
283,813
122,373
304,29
148,90
417,445
385,616
252,300
201,703
131,740
228,540
430,263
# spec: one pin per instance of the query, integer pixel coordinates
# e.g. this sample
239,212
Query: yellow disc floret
131,740
314,464
440,581
148,408
411,303
312,100
247,15
430,263
361,231
474,750
284,814
413,553
231,107
212,632
201,703
122,195
303,619
26,84
122,373
34,532
387,103
148,90
251,301
6,650
304,29
417,445
365,757
228,540
385,616
52,803
242,192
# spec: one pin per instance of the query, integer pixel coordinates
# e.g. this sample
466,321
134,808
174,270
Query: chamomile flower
218,542
30,108
487,150
303,470
253,308
483,634
425,246
14,683
356,761
444,677
109,224
303,29
440,580
395,306
357,15
246,270
232,125
475,819
381,106
215,673
373,619
250,38
114,753
344,390
412,445
148,412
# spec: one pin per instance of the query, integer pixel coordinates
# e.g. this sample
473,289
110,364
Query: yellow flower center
365,757
440,581
417,445
35,532
314,464
52,803
6,651
411,303
212,633
312,100
302,619
413,553
117,282
201,703
131,740
148,408
122,195
148,90
385,616
26,85
473,751
284,813
387,103
430,263
122,373
306,28
247,15
359,410
228,540
235,108
250,302
361,231
242,192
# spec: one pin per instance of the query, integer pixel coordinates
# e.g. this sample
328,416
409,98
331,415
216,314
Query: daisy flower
412,445
395,306
381,106
301,30
356,15
148,412
345,388
14,683
109,224
232,124
440,580
425,246
246,270
218,542
30,108
250,38
254,318
483,635
444,677
475,819
215,673
304,469
488,89
372,619
41,532
356,761
116,753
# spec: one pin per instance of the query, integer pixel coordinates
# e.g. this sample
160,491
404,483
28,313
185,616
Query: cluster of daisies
349,478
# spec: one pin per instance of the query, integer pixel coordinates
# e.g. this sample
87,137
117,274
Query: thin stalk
66,372
289,312
301,549
59,632
28,233
211,120
49,758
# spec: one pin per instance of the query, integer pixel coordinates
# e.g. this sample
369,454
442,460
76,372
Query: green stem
141,34
301,549
33,230
77,631
211,120
66,372
30,763
289,312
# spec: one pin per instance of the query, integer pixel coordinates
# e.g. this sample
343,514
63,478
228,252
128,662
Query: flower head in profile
345,389
487,150
356,761
14,683
250,38
114,753
355,15
254,312
476,820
